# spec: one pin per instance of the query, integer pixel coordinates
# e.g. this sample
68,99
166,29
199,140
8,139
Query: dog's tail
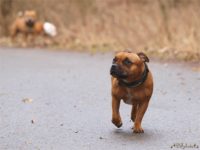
50,29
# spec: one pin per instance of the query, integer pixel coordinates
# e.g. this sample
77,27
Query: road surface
61,101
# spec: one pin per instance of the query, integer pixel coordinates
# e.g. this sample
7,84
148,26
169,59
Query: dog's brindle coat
132,82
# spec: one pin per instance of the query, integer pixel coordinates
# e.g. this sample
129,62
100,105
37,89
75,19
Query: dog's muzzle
115,71
30,23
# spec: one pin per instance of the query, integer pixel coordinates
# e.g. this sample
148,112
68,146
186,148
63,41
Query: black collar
137,82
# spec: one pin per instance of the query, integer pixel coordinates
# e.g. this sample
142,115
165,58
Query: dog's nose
30,23
113,69
114,66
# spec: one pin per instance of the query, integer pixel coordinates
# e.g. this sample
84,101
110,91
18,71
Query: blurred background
55,99
164,28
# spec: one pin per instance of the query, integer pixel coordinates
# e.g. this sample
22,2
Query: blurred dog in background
24,23
27,23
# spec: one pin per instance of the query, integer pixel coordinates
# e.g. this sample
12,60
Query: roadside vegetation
168,29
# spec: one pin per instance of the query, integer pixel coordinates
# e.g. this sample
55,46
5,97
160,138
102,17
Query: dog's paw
138,130
117,122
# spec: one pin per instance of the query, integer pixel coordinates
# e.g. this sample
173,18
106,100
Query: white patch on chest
129,98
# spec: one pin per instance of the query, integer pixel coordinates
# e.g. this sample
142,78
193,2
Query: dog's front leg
116,119
138,120
133,112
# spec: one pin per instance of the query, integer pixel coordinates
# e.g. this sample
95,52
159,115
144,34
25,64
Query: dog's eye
114,60
127,62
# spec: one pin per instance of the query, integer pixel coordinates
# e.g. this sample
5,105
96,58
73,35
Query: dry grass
165,28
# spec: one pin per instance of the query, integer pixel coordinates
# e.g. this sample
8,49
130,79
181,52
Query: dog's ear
143,57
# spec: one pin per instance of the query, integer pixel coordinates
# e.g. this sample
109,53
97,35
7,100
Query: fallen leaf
32,121
27,100
100,138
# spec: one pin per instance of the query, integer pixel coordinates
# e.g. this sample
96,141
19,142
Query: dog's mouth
119,76
118,73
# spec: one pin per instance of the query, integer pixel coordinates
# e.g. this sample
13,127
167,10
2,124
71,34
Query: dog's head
30,17
128,66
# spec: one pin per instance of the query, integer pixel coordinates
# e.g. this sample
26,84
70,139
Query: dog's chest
128,98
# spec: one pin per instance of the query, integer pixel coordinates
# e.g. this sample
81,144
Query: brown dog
132,82
26,24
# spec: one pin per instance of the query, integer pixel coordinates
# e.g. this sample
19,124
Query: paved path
70,107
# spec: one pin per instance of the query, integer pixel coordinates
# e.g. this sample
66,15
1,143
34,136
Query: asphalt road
68,104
